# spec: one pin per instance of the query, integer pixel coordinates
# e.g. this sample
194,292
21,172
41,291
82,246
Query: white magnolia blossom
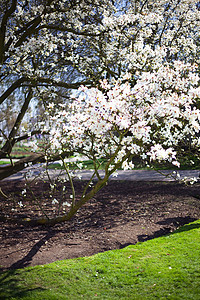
54,201
96,36
148,119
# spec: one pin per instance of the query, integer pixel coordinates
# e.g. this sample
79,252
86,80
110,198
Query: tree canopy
50,48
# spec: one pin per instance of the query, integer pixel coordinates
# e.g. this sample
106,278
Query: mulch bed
122,213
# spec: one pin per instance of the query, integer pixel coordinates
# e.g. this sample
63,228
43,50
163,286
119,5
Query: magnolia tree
118,122
137,65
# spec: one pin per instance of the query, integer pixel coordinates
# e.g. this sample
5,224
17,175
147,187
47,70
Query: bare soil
122,213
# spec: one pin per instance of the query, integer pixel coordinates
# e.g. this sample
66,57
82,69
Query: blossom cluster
53,45
149,119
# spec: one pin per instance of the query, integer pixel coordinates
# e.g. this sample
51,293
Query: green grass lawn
162,268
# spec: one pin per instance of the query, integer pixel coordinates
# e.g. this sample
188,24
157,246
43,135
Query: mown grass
163,268
3,162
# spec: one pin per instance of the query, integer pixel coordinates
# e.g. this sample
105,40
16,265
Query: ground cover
162,268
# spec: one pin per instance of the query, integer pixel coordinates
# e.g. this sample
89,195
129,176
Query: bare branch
29,31
11,89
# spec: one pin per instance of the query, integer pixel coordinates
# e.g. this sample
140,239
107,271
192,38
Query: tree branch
7,14
29,31
7,171
11,89
51,82
21,164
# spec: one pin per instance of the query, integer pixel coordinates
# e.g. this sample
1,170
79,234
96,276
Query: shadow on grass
13,288
10,289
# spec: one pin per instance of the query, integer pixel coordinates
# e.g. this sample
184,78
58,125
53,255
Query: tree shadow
9,287
26,260
171,223
188,227
177,222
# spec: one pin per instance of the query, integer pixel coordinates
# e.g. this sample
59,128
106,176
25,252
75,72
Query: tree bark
7,171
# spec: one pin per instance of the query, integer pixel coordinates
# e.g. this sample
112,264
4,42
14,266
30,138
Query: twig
2,193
